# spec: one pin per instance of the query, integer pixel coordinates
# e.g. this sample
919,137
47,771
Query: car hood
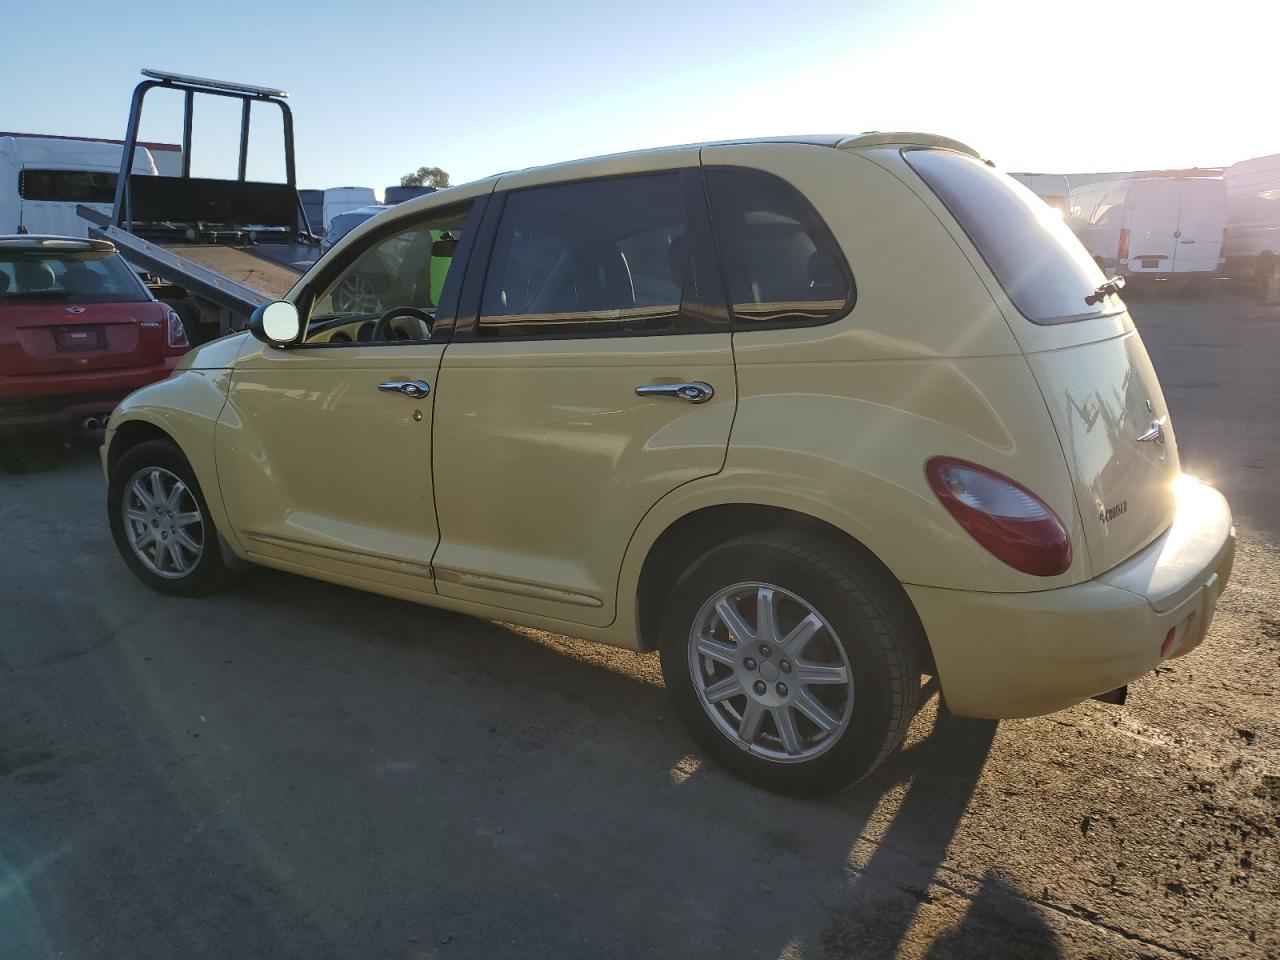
217,354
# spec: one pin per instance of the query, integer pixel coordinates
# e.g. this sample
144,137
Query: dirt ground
291,769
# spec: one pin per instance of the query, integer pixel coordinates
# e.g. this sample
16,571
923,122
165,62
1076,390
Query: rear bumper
1190,270
58,399
1005,655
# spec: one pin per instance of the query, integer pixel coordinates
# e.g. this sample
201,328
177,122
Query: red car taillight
177,332
1122,248
1005,517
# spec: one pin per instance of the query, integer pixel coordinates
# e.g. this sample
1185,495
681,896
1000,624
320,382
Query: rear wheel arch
701,530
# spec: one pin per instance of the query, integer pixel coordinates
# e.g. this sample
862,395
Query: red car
78,331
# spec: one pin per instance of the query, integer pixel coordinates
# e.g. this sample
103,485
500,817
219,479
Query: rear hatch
80,338
1104,396
1088,359
73,306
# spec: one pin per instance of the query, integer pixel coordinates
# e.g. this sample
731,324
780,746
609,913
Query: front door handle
695,392
417,389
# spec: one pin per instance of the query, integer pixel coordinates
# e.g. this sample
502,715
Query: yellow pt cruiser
811,416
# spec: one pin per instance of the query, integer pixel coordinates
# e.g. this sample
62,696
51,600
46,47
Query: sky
381,87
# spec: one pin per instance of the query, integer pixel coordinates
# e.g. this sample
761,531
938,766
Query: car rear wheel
161,523
795,667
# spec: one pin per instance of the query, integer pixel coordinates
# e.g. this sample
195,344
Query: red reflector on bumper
1168,642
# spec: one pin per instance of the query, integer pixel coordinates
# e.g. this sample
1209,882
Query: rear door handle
417,389
695,392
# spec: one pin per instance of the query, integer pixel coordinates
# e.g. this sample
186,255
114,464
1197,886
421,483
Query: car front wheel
793,665
161,523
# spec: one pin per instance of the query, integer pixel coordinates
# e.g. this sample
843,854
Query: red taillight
1005,517
1122,249
177,332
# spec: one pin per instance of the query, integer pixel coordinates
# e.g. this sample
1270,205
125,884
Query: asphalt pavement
292,769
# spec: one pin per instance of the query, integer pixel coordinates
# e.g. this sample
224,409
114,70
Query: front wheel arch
130,434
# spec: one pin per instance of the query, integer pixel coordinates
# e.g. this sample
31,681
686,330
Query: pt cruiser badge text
1109,514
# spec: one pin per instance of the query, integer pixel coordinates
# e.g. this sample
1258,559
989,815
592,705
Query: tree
426,177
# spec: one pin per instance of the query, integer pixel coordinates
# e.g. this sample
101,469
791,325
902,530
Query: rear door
591,375
1153,226
1202,215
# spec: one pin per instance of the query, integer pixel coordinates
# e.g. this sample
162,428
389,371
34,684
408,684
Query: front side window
88,277
406,269
1035,257
613,256
781,262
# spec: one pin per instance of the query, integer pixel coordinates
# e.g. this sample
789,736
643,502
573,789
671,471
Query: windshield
1036,258
79,277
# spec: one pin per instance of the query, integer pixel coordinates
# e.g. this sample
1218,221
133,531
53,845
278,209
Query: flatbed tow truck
212,249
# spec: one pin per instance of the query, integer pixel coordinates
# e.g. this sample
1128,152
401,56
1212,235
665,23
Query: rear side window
35,277
781,263
1036,258
67,186
617,256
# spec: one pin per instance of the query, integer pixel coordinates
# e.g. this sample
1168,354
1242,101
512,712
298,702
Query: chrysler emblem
75,310
1156,433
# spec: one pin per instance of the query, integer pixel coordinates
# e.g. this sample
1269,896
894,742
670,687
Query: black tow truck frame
213,249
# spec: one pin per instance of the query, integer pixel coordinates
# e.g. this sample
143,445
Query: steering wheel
384,322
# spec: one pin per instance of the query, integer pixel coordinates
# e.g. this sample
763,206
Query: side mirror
276,323
444,247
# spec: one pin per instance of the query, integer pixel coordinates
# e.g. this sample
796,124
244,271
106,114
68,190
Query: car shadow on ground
42,452
862,895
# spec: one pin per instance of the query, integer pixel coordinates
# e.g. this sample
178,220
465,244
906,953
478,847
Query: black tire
209,571
871,619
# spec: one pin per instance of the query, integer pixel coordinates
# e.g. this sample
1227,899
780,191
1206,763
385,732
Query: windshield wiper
1103,290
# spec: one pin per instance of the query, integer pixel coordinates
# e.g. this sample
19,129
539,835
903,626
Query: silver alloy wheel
770,673
163,523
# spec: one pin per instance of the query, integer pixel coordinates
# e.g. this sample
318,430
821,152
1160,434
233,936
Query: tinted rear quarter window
1036,258
781,263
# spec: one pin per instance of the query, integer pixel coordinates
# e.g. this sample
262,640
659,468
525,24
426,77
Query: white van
1152,227
341,199
43,179
1252,243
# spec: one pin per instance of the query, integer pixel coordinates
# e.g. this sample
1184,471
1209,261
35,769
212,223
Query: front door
324,448
593,376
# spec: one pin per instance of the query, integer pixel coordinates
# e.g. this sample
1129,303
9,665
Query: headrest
33,276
